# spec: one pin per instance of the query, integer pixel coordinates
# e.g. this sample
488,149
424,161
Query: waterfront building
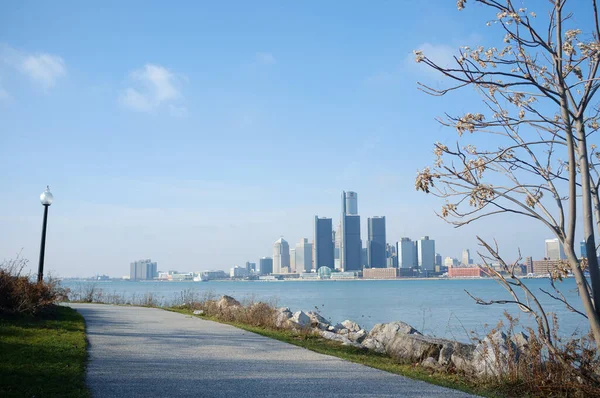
466,257
238,272
309,275
143,270
544,267
324,243
304,253
251,267
450,262
350,242
583,249
554,250
406,253
380,273
292,260
376,244
528,265
465,272
438,260
426,254
215,274
281,256
265,265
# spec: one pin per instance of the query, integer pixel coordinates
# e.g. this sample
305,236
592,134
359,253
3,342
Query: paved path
146,352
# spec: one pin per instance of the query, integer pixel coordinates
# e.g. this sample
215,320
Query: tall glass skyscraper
304,256
376,250
265,265
426,253
281,256
324,249
350,242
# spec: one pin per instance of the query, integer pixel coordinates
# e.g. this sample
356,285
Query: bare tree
539,118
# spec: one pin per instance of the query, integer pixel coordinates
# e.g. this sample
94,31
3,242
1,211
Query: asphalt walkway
148,352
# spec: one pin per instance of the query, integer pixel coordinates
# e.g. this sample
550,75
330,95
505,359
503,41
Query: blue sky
198,134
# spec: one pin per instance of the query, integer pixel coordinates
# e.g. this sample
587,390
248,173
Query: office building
376,244
281,256
292,260
545,267
304,253
238,272
466,257
324,243
438,260
265,265
426,254
465,272
143,270
554,250
451,262
583,249
528,265
251,267
406,253
350,242
380,273
392,256
364,257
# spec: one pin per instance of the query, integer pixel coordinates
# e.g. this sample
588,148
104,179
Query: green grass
364,357
43,356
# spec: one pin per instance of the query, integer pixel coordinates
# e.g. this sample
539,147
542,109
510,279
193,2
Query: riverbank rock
351,326
411,348
382,333
317,321
198,312
357,336
521,342
491,357
338,337
227,302
300,319
282,316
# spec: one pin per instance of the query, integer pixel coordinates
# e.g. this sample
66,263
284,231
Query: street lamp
46,199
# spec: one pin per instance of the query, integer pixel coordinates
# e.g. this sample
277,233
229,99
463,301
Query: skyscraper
466,257
350,242
583,249
324,238
406,253
304,256
377,256
554,250
281,256
293,260
143,270
426,254
266,265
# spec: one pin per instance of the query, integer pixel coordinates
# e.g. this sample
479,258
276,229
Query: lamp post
46,199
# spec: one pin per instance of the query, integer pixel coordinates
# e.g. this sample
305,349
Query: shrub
20,294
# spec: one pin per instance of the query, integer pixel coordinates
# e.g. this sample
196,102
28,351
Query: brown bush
20,294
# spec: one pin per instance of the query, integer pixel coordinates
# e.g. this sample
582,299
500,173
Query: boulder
282,316
198,312
431,363
521,342
382,333
300,319
316,319
336,337
227,302
413,348
462,357
491,357
351,326
357,337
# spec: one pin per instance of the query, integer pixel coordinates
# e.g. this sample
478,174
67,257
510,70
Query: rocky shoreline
404,343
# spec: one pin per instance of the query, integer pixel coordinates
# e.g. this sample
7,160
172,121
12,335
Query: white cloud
42,68
154,86
265,58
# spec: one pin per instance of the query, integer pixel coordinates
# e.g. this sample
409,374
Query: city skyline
156,151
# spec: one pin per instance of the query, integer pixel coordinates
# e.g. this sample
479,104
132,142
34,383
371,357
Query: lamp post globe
46,199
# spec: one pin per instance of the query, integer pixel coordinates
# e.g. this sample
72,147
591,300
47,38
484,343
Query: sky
197,134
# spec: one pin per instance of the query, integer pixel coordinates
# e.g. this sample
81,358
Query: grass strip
365,357
43,356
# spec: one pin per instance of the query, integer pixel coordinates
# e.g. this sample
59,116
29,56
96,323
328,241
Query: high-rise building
250,267
350,204
426,254
376,244
405,249
265,265
324,246
143,270
466,257
304,253
450,262
350,242
281,256
337,246
583,249
364,257
438,259
293,260
554,250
